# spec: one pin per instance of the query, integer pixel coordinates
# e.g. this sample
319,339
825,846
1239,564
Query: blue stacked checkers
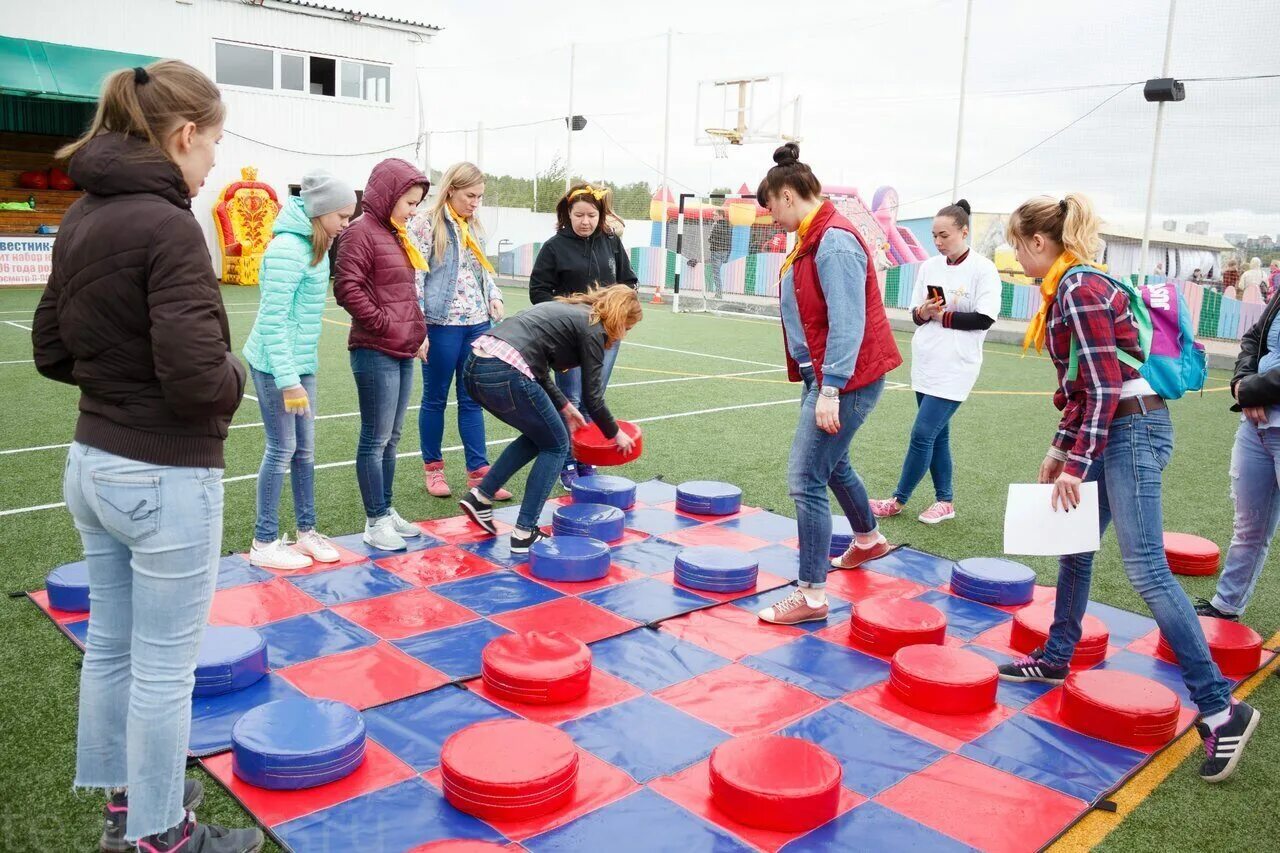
68,587
569,558
714,569
993,581
707,497
297,743
597,521
605,489
230,658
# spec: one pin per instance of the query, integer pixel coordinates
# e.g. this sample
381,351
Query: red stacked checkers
590,447
882,625
771,782
1120,707
1191,555
1236,648
1031,631
536,668
943,679
509,770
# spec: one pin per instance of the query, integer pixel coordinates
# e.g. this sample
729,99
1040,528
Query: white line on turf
19,361
17,325
705,355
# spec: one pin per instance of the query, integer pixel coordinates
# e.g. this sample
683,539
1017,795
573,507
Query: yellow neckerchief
469,242
1048,292
410,249
800,232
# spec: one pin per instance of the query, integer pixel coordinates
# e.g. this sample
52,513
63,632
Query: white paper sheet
1032,527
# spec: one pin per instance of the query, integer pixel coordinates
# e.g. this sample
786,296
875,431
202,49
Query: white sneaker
406,529
277,555
381,534
320,549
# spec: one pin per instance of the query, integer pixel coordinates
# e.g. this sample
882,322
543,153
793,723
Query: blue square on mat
416,728
1168,674
1124,626
822,668
780,560
235,570
354,542
654,492
875,756
1053,756
652,660
838,608
656,522
645,600
633,825
765,525
509,514
965,619
645,737
652,556
455,650
496,550
213,716
1012,694
350,583
495,592
910,564
310,636
79,631
398,817
871,826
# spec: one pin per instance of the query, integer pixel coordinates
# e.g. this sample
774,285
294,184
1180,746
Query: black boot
115,816
192,837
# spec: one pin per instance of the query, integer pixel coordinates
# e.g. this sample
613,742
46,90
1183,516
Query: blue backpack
1173,363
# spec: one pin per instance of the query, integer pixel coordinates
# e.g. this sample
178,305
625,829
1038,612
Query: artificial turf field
714,404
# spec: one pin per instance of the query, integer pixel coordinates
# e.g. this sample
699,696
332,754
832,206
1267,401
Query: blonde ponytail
1072,223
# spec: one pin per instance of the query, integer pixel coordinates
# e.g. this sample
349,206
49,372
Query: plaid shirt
1096,313
503,351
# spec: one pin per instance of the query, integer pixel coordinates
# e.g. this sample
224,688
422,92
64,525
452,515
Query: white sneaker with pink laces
886,509
939,512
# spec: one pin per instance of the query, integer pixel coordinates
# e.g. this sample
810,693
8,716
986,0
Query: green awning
60,71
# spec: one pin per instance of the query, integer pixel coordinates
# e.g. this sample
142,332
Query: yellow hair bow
598,194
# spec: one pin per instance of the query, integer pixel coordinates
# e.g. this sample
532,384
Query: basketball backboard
745,110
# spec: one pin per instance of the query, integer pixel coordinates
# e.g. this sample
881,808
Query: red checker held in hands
1031,631
943,679
883,625
509,770
1120,707
1236,648
773,782
590,447
536,668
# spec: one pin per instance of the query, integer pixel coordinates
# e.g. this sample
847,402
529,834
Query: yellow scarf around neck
464,232
1038,326
800,232
410,248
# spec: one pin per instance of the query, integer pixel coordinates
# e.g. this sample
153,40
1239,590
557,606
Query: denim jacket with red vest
879,352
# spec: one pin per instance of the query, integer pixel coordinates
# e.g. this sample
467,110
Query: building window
293,72
322,76
239,65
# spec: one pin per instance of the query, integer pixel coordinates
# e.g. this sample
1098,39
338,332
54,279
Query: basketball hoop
721,138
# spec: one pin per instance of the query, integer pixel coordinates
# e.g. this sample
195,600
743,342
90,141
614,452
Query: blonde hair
149,103
1071,223
616,307
459,176
320,241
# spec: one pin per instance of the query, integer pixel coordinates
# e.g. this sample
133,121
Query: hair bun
787,155
963,204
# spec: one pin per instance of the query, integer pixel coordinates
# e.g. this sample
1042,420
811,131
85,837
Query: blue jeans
570,382
819,460
1128,475
1255,487
291,447
450,347
383,386
929,448
152,536
517,400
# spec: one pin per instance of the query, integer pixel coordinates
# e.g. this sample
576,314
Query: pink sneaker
792,610
473,482
939,512
433,475
886,509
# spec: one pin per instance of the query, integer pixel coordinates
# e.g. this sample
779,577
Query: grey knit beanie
323,193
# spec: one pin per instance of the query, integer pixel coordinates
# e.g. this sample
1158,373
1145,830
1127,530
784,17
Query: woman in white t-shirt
955,300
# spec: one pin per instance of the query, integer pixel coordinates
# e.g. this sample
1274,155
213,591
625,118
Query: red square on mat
459,529
764,583
712,534
1147,645
997,639
981,806
670,506
604,691
259,603
366,677
405,614
579,619
841,634
948,731
730,631
691,788
345,558
856,584
436,565
41,598
741,700
599,783
617,574
380,769
1049,708
1039,595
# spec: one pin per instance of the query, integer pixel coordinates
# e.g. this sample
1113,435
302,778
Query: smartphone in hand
935,292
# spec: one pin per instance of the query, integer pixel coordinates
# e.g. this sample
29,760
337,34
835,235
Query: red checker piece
1191,555
536,668
1031,631
771,782
944,679
882,624
509,770
1236,648
590,447
1120,707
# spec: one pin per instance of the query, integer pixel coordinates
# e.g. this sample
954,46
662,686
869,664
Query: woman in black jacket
584,253
508,373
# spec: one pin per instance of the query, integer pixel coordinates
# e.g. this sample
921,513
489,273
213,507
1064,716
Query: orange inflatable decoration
243,215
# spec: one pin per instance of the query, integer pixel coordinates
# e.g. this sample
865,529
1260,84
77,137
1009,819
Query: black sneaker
521,544
192,837
1224,745
585,470
1032,668
478,511
1204,607
115,816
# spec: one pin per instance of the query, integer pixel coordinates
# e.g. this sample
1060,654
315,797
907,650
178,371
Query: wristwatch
829,392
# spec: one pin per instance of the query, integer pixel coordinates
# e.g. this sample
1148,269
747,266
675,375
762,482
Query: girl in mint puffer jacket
282,354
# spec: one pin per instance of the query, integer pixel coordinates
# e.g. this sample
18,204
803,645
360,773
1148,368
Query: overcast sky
879,84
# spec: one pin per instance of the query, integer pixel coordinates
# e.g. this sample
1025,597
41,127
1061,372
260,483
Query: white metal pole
666,132
535,169
568,157
964,74
1155,153
480,145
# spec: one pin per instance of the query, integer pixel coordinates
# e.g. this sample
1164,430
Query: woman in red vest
838,342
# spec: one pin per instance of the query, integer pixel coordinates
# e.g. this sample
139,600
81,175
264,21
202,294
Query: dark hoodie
132,313
375,281
569,264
